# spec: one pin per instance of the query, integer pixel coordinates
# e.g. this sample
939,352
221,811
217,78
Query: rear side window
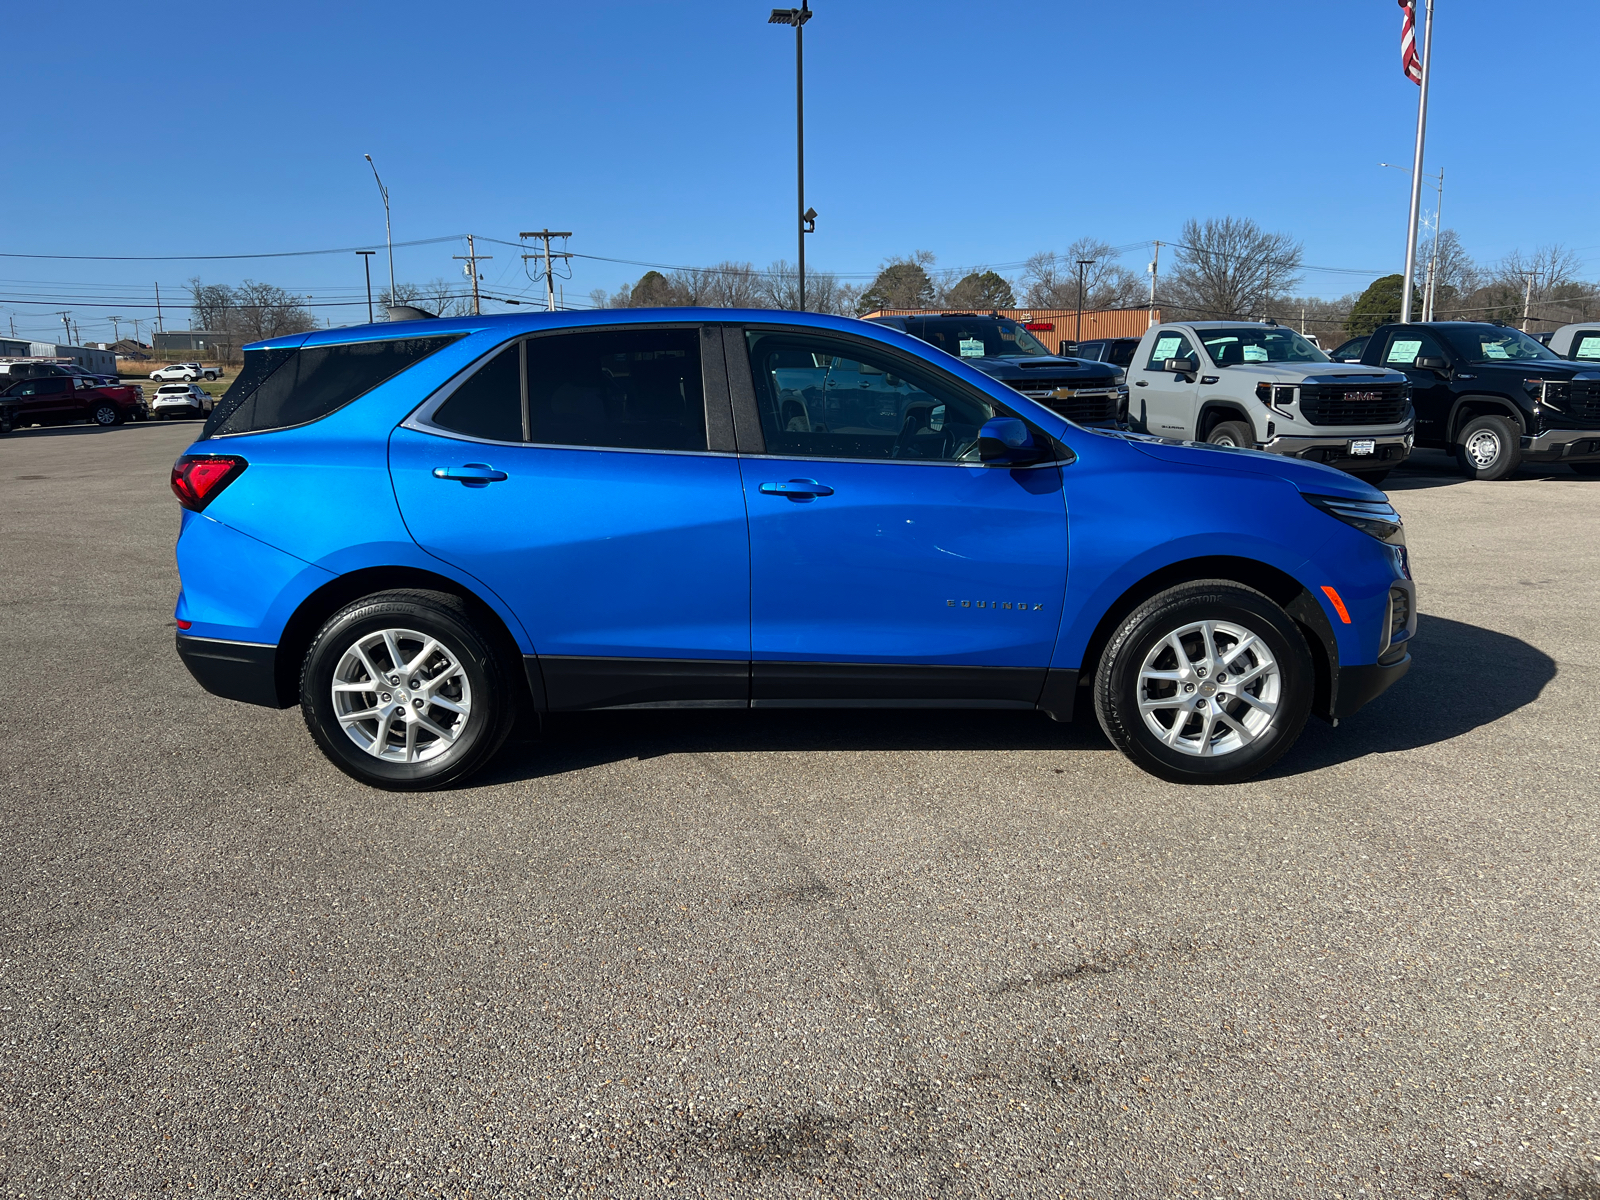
283,387
627,389
489,403
1122,353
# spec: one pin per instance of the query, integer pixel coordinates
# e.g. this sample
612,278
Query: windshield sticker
1166,347
1255,354
1404,350
1009,335
1494,350
1589,347
971,347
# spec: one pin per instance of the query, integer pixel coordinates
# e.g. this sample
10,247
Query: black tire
1489,448
1375,478
6,423
1232,433
1117,685
492,702
105,414
1592,468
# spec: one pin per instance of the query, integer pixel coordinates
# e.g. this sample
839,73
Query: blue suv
420,532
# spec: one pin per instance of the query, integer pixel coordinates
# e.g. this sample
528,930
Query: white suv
184,373
1263,386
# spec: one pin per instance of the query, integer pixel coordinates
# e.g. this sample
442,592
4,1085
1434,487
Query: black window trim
713,383
747,414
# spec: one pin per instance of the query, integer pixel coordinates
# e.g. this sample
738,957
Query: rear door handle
797,489
471,475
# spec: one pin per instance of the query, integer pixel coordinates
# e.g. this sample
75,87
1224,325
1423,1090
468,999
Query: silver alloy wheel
1222,439
1209,688
1483,448
401,696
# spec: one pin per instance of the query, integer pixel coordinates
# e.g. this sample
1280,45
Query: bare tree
1230,267
445,298
211,305
1051,279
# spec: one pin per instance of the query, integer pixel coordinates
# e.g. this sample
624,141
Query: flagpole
1416,170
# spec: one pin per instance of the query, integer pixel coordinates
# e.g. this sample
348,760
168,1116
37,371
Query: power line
455,237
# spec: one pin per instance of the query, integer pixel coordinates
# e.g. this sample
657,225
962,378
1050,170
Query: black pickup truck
1493,395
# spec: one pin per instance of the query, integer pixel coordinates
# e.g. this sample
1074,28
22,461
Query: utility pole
1155,260
472,269
1416,171
116,328
1527,299
549,281
1077,335
1433,257
66,323
388,236
159,326
366,262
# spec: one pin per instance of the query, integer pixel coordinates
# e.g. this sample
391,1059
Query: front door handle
1141,383
797,489
471,475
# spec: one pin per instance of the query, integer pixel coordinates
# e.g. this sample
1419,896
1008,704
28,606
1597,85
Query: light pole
808,216
1077,334
387,236
366,261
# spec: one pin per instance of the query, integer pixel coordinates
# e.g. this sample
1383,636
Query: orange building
1062,322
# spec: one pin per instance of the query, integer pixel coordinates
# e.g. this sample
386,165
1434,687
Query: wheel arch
1470,407
1214,412
314,611
1283,589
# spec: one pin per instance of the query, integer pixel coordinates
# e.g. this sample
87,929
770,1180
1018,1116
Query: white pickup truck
1240,383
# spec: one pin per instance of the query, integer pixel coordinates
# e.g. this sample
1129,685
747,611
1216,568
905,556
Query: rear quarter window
279,388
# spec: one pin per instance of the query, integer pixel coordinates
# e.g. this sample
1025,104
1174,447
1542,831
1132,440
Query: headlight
1376,518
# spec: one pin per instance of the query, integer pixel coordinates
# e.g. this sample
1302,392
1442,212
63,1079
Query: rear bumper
1357,686
243,671
1562,445
1389,449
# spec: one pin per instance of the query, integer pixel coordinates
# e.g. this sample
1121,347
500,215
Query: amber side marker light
1338,604
198,479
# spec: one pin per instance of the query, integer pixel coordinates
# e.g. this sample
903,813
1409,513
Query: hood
1540,369
1331,372
1012,367
1309,477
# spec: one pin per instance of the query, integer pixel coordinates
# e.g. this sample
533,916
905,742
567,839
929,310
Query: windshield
976,337
1496,343
1262,343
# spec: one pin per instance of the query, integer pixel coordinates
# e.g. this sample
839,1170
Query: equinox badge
1019,605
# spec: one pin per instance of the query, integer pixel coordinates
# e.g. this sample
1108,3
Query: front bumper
1357,686
1562,445
243,671
1389,449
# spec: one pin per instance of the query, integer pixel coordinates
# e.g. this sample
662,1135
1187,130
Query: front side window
1587,345
1408,345
822,398
1497,343
1270,343
1168,345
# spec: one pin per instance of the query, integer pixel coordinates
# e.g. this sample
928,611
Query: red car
62,399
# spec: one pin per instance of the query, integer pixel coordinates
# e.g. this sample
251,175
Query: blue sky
664,133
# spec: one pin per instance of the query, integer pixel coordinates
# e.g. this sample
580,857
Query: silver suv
1263,386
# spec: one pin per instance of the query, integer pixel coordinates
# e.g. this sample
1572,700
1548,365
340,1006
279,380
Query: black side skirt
576,683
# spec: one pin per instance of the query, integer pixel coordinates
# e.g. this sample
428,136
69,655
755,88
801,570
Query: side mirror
1181,366
1430,362
1007,440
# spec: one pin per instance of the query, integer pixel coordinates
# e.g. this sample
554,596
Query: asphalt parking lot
796,954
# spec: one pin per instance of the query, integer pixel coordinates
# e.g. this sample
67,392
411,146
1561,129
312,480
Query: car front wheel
1207,682
1232,433
1489,448
403,691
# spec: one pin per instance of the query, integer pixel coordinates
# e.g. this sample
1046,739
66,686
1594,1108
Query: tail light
198,479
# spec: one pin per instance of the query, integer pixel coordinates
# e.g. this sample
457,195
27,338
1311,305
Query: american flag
1409,62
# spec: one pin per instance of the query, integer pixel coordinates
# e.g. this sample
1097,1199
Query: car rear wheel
403,691
1207,682
106,414
1489,448
1232,433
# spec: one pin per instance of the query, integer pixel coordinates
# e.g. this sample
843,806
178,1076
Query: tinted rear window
632,388
283,387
